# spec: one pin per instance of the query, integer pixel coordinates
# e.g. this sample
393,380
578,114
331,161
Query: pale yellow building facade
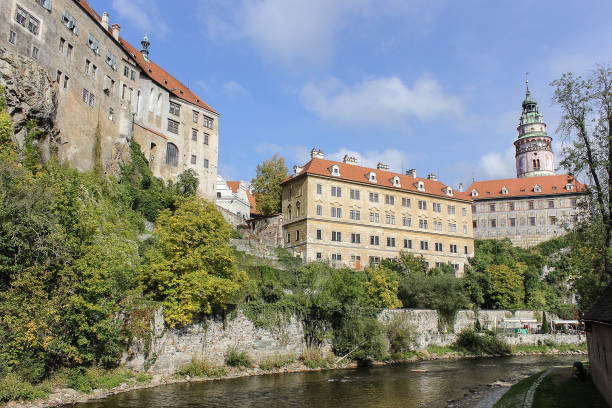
355,216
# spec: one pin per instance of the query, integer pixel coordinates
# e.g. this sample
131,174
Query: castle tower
534,155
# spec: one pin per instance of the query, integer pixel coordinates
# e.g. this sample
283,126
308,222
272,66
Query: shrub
13,388
315,358
276,361
401,335
199,367
236,358
485,343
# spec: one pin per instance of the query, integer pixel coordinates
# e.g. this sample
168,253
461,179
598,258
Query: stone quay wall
211,337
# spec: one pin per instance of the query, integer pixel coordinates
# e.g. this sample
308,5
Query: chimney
297,169
349,160
460,188
104,20
432,177
314,154
381,166
116,29
411,172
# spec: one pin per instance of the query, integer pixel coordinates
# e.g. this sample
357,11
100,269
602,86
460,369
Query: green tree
190,267
266,185
507,290
381,288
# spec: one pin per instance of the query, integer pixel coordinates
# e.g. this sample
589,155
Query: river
386,386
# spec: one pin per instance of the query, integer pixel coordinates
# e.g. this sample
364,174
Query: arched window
289,212
151,101
171,154
297,209
158,108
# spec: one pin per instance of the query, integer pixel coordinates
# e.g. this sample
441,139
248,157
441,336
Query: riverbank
64,396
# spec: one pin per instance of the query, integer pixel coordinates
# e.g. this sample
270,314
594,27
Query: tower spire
527,93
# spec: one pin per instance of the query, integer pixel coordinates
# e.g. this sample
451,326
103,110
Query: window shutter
47,5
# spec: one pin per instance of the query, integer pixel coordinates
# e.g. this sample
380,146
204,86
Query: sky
428,84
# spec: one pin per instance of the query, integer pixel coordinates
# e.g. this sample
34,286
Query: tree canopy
266,185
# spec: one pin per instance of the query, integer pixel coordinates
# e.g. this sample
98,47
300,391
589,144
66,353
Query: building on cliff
234,196
537,205
103,80
355,216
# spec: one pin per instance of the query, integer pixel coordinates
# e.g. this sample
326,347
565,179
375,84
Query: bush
314,358
401,335
235,358
13,388
199,367
485,343
276,361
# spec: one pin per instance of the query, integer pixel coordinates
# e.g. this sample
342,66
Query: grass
276,361
516,394
441,350
237,358
315,358
545,348
199,367
562,391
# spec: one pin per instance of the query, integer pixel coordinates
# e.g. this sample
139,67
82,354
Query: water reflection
389,386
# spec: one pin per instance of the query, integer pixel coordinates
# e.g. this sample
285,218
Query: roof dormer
474,193
569,186
504,190
335,170
537,188
420,185
449,191
396,182
372,177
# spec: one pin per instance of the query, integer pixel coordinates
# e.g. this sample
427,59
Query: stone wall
600,358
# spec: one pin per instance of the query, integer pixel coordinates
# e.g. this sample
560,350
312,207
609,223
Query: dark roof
602,311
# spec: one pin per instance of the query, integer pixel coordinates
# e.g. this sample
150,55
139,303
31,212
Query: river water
386,386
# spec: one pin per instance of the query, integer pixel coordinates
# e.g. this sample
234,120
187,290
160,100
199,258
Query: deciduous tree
266,185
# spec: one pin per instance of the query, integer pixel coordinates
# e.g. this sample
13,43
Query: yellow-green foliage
381,288
507,286
190,266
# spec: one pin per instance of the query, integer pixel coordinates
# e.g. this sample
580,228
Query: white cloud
497,165
385,102
293,154
233,88
397,160
144,14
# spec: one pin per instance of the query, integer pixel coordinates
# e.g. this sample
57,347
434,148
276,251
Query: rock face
30,94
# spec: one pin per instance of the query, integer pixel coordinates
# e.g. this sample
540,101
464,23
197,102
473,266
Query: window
319,255
390,242
492,207
374,217
70,22
405,202
463,211
493,223
111,114
175,108
123,91
33,25
319,210
424,245
373,177
58,77
551,204
355,238
438,246
354,194
355,215
195,117
511,206
453,248
336,191
66,81
319,189
374,240
512,222
171,154
208,122
451,210
390,219
45,3
194,134
407,222
408,243
12,37
437,226
173,126
389,199
452,227
475,224
465,229
373,197
94,71
85,95
319,234
21,17
423,224
336,257
465,250
336,236
62,45
374,260
193,159
297,236
336,212
206,138
532,221
111,60
69,52
422,205
288,237
205,163
552,220
573,202
133,75
126,71
87,66
531,205
218,194
437,207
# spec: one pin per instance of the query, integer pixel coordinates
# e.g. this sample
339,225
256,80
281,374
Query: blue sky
425,84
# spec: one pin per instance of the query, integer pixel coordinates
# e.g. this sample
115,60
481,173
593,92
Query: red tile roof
352,172
253,203
522,187
233,185
151,69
